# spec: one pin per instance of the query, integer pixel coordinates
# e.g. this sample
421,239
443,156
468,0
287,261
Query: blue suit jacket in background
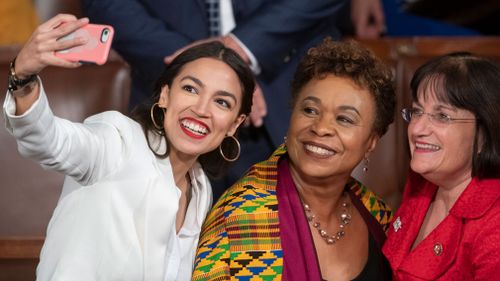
277,32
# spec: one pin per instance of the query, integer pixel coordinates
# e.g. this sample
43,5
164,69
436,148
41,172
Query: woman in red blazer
448,225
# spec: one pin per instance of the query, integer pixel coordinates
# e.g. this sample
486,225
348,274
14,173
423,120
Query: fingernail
84,20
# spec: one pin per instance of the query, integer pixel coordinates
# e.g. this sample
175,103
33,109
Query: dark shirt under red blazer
464,246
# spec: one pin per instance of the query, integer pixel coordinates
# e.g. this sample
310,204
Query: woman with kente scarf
299,215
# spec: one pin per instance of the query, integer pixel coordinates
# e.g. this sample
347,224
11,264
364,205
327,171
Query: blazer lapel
434,255
408,219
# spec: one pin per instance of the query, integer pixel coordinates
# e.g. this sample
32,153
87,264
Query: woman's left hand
39,51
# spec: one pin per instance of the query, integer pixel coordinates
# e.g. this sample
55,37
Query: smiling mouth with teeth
425,146
194,128
319,150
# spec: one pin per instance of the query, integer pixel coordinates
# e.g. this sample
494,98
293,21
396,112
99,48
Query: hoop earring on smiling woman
237,153
159,128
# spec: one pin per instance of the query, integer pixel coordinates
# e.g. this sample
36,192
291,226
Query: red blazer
464,246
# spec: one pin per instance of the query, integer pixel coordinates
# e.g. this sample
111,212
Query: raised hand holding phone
95,50
39,51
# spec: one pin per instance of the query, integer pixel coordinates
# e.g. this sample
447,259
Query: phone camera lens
105,35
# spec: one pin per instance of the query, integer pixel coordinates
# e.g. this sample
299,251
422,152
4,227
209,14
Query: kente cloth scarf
242,236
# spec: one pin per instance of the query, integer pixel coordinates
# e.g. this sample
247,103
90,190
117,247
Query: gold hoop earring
159,128
237,154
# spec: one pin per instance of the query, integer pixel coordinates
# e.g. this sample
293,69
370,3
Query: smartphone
95,51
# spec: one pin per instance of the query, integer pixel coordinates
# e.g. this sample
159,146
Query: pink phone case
96,50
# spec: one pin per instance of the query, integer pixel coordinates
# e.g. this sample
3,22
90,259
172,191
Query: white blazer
115,219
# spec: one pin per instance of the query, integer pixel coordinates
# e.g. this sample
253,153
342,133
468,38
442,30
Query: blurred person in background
370,19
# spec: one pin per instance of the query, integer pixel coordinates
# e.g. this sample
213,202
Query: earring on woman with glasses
365,168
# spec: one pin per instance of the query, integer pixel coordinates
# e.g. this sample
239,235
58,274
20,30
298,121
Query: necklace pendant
345,218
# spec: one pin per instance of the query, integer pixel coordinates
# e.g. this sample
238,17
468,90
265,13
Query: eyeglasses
410,114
